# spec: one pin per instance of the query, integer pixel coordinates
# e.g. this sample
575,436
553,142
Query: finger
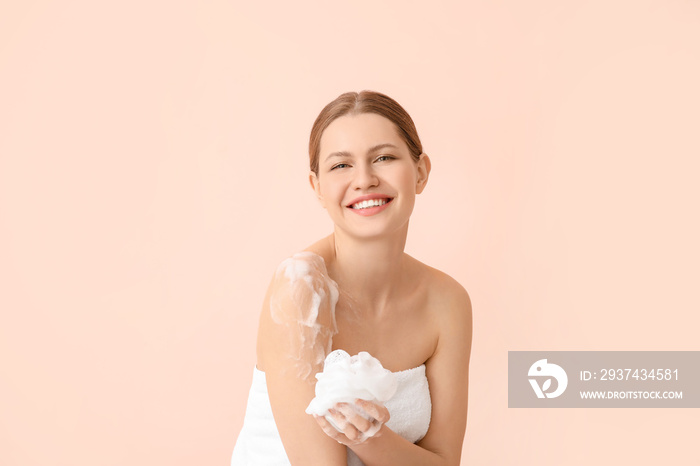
328,429
361,423
378,412
352,433
339,419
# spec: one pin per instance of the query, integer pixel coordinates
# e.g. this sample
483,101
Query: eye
388,157
339,165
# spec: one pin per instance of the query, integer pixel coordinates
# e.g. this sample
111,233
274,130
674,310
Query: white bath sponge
346,378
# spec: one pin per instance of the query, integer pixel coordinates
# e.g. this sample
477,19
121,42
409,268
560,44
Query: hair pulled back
353,103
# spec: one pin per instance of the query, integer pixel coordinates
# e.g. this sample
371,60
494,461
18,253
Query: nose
365,177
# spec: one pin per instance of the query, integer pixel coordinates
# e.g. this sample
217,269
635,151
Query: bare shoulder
444,292
298,316
322,248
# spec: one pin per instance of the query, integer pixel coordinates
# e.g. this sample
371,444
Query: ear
316,186
423,167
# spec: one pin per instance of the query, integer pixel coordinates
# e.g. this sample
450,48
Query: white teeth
370,203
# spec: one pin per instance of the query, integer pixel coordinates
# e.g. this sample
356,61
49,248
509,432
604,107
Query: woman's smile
371,207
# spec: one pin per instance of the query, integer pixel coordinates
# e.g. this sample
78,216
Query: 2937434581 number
639,374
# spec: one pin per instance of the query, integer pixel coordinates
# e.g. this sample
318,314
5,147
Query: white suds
304,300
346,378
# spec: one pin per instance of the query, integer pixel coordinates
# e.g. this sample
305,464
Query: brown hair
353,103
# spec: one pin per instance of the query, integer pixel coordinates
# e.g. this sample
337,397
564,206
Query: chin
373,232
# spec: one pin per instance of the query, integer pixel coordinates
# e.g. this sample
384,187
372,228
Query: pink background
153,172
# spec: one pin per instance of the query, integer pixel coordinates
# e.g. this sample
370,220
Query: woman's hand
354,427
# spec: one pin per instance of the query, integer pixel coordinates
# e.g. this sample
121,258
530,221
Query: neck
369,269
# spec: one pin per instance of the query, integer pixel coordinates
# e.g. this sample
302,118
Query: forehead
357,133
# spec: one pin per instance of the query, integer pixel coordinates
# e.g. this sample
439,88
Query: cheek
408,177
331,191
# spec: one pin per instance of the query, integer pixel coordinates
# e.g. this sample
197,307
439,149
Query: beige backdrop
153,172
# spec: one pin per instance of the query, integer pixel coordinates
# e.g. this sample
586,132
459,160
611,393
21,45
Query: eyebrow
343,153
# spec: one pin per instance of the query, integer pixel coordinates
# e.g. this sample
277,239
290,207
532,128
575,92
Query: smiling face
363,156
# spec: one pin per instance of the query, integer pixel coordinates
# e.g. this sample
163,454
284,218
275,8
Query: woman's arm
292,343
448,377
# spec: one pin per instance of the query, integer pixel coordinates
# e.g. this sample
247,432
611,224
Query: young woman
357,290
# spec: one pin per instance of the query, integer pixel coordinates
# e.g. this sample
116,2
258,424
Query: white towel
259,443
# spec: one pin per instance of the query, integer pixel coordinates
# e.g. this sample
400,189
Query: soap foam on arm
304,301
